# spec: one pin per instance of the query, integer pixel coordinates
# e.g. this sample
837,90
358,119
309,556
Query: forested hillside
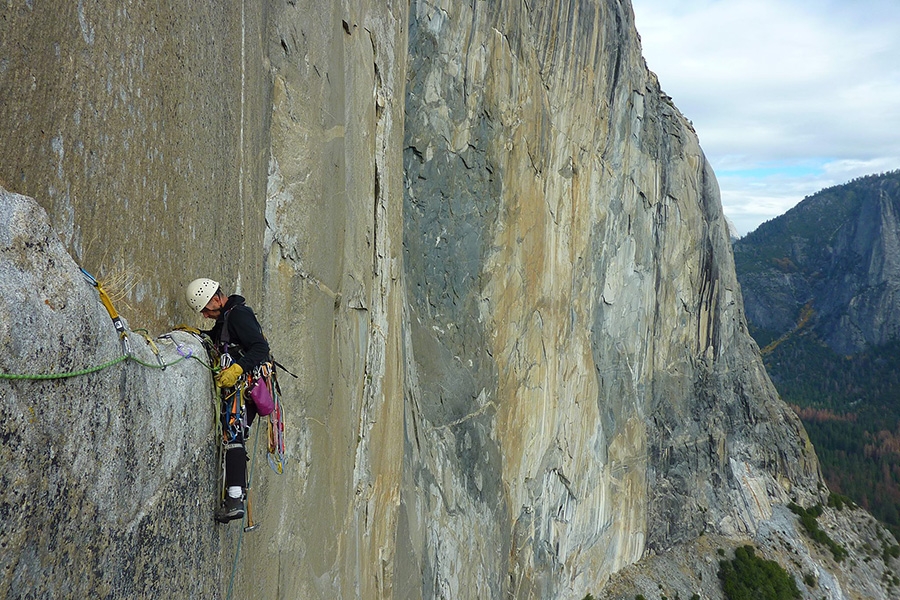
849,406
820,285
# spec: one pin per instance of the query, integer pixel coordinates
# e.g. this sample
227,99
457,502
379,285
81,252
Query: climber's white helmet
200,291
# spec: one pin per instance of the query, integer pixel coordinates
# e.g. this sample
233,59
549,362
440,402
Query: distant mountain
832,264
821,288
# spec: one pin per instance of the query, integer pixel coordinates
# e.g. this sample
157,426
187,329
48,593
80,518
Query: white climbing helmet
199,292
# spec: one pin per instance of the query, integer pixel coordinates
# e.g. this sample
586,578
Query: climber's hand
228,377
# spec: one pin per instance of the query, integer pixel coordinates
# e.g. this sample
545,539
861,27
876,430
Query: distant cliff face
488,244
837,253
582,387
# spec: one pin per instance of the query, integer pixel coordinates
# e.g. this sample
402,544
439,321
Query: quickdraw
232,425
153,347
277,456
113,313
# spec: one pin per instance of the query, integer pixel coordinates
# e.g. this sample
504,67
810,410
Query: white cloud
787,97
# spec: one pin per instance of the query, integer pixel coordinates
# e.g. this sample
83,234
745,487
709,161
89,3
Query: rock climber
238,337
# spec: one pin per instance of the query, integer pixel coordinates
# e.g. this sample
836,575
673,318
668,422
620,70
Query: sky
787,96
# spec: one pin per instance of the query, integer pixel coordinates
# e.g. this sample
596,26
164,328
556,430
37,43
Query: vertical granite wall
142,129
334,296
581,387
479,233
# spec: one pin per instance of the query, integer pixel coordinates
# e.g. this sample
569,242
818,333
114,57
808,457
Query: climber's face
213,308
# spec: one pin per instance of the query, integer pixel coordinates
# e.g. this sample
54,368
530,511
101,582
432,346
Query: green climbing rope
106,365
159,366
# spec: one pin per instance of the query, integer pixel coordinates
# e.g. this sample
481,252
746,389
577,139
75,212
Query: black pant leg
236,467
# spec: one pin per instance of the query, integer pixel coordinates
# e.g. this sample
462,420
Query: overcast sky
787,96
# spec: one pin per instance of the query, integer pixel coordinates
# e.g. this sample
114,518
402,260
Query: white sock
234,491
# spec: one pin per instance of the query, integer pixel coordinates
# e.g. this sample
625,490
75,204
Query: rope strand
38,376
100,367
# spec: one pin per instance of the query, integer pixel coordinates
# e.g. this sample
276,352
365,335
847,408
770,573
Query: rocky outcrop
693,568
489,245
106,476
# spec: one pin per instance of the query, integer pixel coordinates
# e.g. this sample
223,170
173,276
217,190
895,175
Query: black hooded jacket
247,345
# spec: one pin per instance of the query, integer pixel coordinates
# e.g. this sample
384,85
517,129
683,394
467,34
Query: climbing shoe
232,508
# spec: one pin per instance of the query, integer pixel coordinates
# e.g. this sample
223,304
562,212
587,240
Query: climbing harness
264,374
234,416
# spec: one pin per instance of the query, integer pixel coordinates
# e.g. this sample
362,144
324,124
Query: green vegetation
889,552
839,502
748,577
808,517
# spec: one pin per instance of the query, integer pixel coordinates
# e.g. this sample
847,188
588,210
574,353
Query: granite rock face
582,387
333,299
482,236
101,472
142,130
